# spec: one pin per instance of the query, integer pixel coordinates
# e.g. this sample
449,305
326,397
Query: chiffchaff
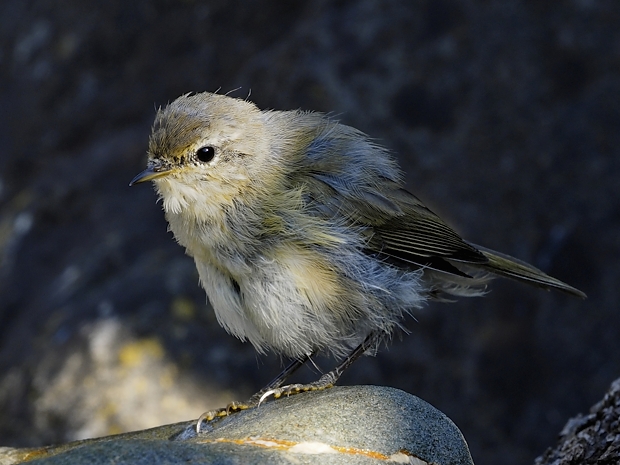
303,235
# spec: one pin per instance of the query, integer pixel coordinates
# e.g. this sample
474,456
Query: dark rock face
593,438
504,115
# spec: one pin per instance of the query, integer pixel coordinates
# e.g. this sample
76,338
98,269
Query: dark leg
278,380
328,379
255,399
275,388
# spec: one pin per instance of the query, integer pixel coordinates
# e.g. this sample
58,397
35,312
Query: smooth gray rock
342,425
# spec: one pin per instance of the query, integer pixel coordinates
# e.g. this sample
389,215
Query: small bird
304,237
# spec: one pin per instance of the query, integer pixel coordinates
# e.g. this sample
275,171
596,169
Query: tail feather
510,267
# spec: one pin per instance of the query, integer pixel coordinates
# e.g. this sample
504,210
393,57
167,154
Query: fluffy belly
296,301
292,301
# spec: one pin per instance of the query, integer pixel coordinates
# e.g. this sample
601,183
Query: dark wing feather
420,237
400,228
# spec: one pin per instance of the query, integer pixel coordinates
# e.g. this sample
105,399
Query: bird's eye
205,154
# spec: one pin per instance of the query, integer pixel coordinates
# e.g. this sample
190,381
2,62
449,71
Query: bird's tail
510,267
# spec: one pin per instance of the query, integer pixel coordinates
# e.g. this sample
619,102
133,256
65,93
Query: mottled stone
342,425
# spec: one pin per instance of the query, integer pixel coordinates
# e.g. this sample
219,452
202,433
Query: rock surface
592,439
343,425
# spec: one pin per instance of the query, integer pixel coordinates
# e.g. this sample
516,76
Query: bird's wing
418,236
399,226
402,230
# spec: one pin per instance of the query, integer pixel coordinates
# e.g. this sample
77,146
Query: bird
303,234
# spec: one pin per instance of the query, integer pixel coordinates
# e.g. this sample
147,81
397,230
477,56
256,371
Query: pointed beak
148,174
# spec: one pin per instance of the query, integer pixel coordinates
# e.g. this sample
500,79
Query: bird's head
205,151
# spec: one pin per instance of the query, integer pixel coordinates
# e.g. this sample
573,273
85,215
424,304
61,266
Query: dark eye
205,154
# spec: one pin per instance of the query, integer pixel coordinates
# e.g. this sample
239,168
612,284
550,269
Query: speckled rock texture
343,425
503,113
590,439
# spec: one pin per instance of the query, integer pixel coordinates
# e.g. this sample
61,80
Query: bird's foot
325,382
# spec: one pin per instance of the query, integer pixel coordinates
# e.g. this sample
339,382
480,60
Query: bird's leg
328,379
275,388
256,398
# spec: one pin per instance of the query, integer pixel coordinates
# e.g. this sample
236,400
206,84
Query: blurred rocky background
504,114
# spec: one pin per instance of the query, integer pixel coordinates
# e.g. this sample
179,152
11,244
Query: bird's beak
150,173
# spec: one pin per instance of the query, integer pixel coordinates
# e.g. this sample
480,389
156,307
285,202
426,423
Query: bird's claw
233,407
292,389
